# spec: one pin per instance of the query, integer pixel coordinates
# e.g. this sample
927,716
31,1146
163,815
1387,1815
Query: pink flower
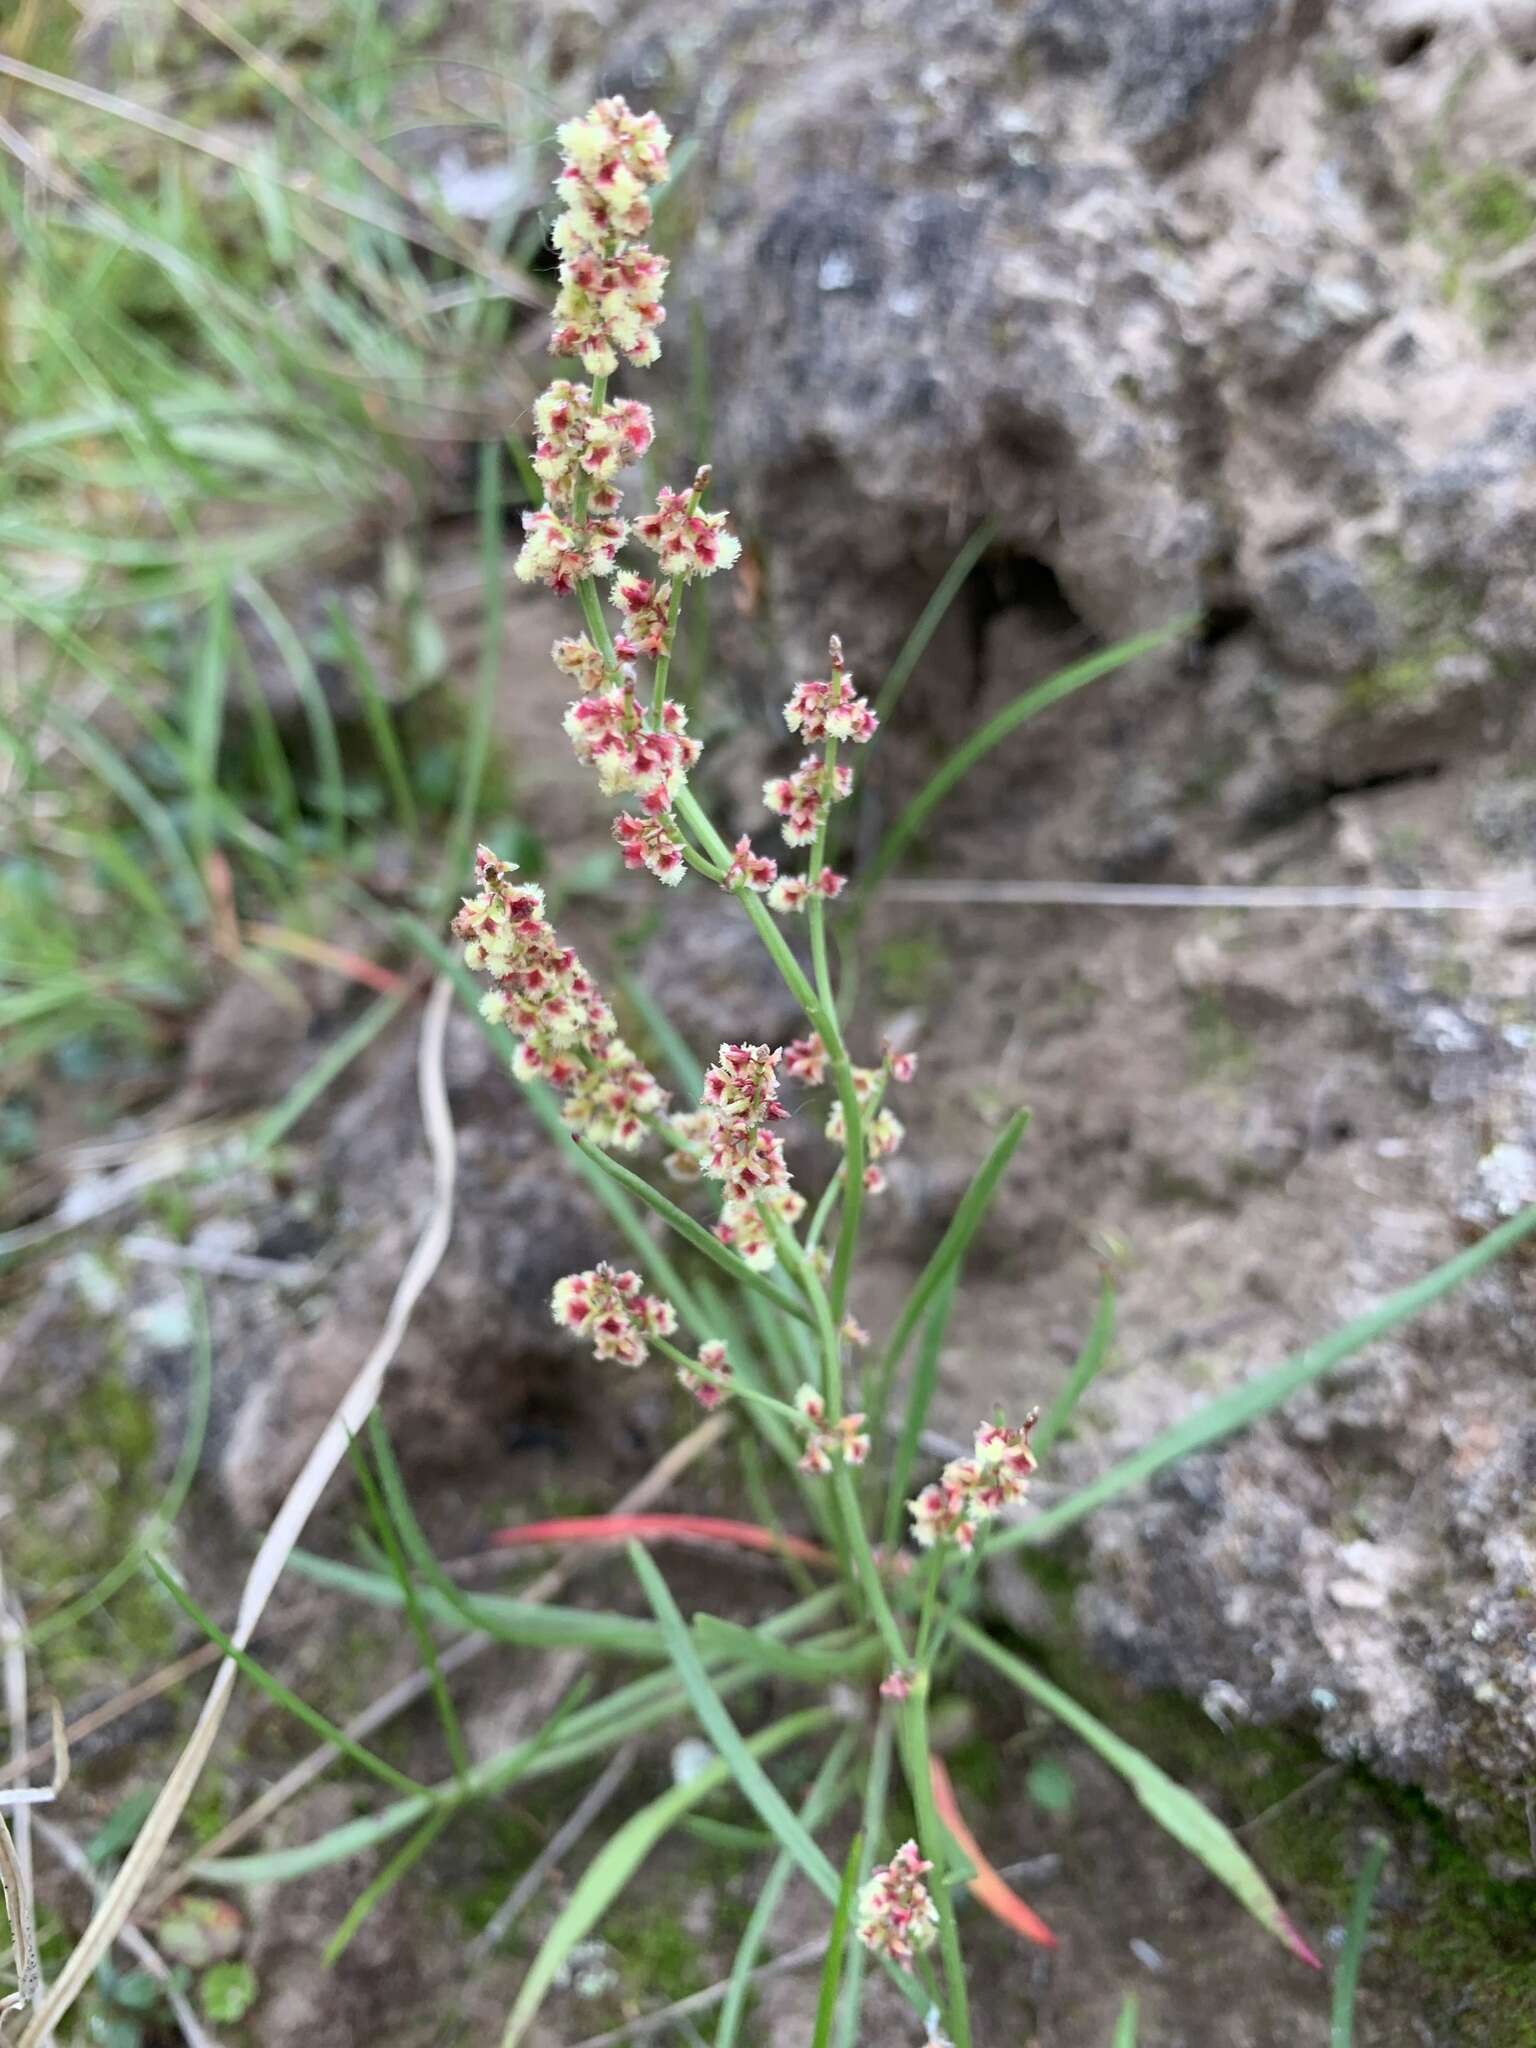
846,1438
805,1059
567,1034
651,843
742,1087
610,1309
560,553
608,732
801,799
608,305
896,1685
789,895
705,1392
901,1066
749,870
580,660
647,611
686,541
973,1490
897,1916
829,710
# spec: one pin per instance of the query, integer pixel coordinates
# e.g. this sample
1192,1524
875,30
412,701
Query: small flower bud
897,1916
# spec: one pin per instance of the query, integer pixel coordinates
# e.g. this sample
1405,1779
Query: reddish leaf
659,1528
986,1887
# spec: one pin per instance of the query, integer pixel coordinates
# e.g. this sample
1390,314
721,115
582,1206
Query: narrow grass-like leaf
1346,1978
852,1654
162,1517
925,1377
1126,2027
669,1041
477,740
569,1738
275,1125
987,1887
533,1625
625,1853
295,657
659,1526
1257,1397
1175,1810
1084,1371
837,1941
276,1691
827,1788
759,1789
378,717
692,1231
205,720
396,1868
947,1254
1008,720
932,616
390,1538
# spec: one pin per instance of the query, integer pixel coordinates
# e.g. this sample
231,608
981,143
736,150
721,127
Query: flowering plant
903,1555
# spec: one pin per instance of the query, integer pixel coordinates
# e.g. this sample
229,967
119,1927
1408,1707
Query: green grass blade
837,1942
1008,720
111,769
1346,1979
827,1789
275,1125
532,1625
323,741
925,1377
163,1517
728,1640
692,1231
271,757
389,1536
396,1868
932,616
275,1690
477,740
947,1254
625,1853
379,718
1175,1810
205,721
1257,1397
1126,2026
1084,1371
669,1041
759,1789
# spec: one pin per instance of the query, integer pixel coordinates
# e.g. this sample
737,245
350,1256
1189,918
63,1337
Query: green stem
725,1383
864,1564
934,1845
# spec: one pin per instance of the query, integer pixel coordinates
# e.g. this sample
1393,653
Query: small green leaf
947,1254
1125,2026
121,1825
227,1991
1347,1977
1050,1786
1175,1810
832,1967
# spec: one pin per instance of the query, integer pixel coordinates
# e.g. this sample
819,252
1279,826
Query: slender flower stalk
731,1147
